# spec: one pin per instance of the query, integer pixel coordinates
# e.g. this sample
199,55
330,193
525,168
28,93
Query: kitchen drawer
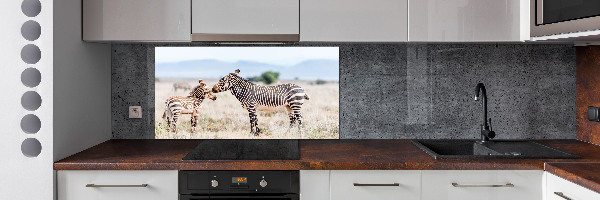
479,184
568,189
342,185
162,185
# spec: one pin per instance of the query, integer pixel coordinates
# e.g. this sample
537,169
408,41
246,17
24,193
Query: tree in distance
267,77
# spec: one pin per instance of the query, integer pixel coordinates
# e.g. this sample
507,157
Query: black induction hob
268,149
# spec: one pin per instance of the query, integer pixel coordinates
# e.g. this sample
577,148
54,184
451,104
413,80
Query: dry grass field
226,119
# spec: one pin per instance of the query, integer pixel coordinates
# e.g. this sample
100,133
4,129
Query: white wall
75,92
82,84
24,177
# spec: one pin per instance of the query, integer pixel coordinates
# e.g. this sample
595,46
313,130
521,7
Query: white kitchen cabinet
378,184
52,61
354,20
136,20
243,20
314,184
482,184
117,184
561,189
468,20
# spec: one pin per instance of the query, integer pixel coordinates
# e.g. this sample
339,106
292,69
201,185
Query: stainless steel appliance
554,17
232,185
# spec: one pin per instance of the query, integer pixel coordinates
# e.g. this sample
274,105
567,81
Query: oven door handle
192,197
251,197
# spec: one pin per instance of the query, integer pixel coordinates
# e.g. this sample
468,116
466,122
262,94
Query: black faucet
486,130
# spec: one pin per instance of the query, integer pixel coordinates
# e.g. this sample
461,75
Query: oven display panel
239,180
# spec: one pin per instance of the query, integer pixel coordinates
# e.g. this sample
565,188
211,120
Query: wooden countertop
581,173
332,155
314,155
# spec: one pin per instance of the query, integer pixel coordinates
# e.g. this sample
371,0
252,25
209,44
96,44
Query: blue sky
304,63
282,56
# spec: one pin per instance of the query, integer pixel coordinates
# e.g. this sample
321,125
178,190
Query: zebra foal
177,105
251,96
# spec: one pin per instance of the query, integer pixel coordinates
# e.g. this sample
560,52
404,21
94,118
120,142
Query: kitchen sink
491,149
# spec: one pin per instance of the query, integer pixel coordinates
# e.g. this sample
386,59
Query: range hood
245,20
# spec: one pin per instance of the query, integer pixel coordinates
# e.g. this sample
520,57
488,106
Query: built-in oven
553,17
232,185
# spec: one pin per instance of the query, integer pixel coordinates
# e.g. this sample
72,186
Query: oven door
235,197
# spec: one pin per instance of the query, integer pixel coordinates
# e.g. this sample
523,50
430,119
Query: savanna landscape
225,118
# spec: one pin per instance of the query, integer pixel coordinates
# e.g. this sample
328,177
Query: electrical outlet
593,114
135,112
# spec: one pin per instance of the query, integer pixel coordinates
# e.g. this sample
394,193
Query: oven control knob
214,183
263,183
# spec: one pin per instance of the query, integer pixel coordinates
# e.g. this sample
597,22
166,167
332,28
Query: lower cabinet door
117,185
482,184
375,185
560,189
314,184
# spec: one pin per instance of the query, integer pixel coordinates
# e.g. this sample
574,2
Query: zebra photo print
247,93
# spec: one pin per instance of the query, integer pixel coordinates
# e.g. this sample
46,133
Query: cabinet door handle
505,185
94,185
384,184
560,194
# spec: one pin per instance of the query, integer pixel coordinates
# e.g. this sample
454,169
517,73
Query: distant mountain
313,70
307,70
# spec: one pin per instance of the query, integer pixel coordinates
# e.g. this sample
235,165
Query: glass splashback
246,93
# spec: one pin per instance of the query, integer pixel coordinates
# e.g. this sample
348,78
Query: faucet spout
486,133
481,88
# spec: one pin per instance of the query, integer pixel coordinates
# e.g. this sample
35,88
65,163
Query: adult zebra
287,95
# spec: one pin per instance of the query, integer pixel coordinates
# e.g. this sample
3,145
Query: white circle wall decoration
31,124
31,30
31,147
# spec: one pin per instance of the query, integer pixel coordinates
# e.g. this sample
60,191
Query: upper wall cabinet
354,20
136,20
468,20
244,20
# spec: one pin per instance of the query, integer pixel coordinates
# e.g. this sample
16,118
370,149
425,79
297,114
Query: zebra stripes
253,97
177,105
